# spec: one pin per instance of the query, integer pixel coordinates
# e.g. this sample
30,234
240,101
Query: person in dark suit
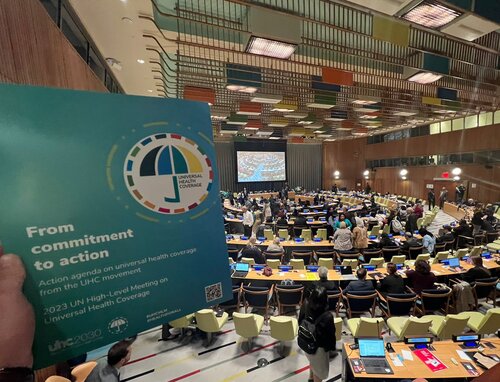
478,272
300,220
411,223
361,284
253,252
386,241
410,241
109,371
392,283
446,236
431,199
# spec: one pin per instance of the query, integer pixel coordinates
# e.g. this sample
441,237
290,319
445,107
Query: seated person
446,236
300,220
323,282
361,284
411,241
253,252
323,279
477,272
342,238
282,221
342,219
118,355
421,278
275,246
386,241
392,283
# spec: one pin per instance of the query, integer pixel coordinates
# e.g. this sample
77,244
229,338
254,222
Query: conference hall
249,190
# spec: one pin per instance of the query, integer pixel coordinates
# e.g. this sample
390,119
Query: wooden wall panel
477,139
349,158
35,52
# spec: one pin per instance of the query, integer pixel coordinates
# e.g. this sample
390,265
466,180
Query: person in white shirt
247,221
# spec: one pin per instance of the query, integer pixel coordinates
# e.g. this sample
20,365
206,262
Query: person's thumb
12,273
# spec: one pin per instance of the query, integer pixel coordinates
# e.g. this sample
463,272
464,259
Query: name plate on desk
112,202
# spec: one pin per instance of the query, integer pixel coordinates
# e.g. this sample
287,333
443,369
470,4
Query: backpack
307,336
397,226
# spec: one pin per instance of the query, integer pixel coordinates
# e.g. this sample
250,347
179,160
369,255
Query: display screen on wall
260,161
261,166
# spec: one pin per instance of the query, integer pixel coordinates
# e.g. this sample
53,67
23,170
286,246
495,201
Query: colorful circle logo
168,173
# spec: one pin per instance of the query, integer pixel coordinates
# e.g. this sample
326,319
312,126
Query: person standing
247,221
443,197
460,192
315,310
431,199
368,189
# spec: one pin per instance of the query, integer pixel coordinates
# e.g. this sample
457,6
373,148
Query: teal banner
113,203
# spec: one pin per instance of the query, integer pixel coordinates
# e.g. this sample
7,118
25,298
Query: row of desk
415,368
304,244
301,275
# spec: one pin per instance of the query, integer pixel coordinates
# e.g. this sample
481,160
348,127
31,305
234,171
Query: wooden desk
445,350
287,243
454,210
303,275
262,195
312,213
302,198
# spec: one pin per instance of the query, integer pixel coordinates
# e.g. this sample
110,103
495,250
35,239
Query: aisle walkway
440,220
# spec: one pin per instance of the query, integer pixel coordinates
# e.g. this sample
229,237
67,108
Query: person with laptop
361,284
477,272
315,309
392,283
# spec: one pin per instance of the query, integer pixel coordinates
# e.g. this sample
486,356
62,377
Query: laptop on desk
372,354
241,270
346,272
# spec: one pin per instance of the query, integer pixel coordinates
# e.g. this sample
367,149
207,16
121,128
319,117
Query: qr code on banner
213,292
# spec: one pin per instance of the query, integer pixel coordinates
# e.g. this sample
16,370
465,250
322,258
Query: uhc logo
168,173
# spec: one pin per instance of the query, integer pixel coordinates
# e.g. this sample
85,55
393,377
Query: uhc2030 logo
168,173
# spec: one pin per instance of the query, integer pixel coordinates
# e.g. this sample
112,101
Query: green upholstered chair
328,263
483,323
365,327
413,326
248,326
444,327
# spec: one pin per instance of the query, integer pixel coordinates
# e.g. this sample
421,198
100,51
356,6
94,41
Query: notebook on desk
372,354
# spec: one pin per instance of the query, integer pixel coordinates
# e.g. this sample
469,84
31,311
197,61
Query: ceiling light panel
425,77
405,113
266,98
270,48
431,14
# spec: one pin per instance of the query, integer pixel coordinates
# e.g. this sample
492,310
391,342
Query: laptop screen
371,348
454,262
242,267
345,270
